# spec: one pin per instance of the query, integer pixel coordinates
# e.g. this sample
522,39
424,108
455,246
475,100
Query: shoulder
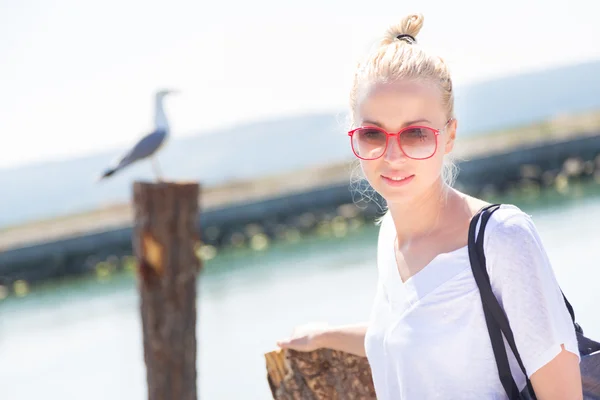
512,243
509,225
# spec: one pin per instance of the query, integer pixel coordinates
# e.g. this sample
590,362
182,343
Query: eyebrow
369,122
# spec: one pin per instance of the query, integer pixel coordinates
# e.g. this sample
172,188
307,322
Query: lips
397,180
397,177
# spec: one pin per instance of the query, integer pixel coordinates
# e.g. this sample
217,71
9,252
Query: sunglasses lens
369,143
418,143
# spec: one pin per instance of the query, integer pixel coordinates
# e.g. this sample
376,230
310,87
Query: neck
420,216
160,118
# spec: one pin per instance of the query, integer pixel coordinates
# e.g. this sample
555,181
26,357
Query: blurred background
288,233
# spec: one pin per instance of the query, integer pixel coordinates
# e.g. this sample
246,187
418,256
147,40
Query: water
83,339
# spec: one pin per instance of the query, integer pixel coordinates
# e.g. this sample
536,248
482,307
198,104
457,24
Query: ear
450,135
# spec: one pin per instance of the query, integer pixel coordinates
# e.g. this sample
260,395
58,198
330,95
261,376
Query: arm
559,379
347,338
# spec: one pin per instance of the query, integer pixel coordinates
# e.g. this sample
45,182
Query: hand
305,337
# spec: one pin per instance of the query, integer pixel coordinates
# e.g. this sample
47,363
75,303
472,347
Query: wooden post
163,239
318,375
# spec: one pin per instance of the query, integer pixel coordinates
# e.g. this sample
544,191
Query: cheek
371,170
368,168
434,164
428,171
439,164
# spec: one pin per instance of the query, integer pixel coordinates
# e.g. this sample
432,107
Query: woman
427,337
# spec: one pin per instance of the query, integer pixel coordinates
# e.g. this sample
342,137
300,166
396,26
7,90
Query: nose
394,153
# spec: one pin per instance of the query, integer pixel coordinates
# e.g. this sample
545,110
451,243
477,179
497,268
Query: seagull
148,145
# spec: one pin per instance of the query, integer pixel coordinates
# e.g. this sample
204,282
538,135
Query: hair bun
407,30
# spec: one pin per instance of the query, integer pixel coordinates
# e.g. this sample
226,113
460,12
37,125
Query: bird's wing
144,148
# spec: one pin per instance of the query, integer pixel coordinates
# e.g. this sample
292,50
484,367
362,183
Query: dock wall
303,211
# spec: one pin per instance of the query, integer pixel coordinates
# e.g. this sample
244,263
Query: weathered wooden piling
322,374
164,240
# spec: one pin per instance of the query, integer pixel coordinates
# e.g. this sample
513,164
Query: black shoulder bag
497,324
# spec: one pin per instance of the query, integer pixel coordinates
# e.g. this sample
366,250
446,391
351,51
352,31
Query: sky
78,77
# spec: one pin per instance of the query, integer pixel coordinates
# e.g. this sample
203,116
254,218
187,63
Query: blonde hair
397,57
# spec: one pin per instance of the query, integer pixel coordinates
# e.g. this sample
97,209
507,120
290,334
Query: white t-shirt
427,338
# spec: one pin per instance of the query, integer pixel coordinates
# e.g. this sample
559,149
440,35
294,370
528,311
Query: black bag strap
495,318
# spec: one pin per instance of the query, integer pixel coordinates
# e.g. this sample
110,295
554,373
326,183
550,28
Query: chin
394,192
397,198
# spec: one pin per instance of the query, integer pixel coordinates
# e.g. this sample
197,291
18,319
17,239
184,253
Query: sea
82,338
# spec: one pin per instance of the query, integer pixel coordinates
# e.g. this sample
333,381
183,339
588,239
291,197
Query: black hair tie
407,38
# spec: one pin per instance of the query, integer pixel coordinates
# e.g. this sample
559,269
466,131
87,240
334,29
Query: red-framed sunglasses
415,141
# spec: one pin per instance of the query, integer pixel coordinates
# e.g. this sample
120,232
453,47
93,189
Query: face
394,106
